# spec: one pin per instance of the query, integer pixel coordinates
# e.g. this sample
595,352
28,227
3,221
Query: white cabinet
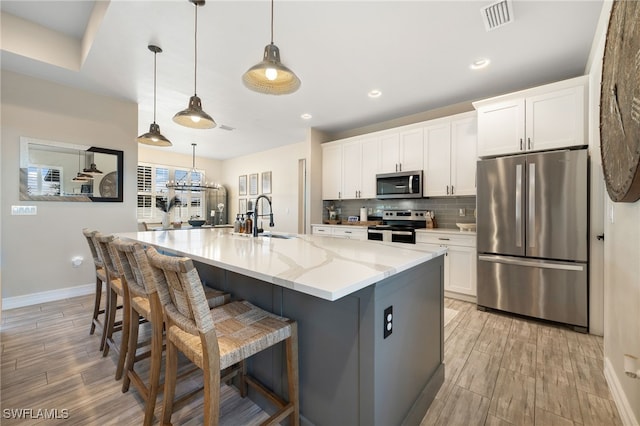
547,117
332,171
450,156
351,169
340,231
459,262
401,151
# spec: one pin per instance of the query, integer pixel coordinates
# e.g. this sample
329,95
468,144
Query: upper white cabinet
450,156
332,171
547,117
401,151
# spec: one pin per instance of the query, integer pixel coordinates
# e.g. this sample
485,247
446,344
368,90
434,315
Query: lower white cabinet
340,231
459,262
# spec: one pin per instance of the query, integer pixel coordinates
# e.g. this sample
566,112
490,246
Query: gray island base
350,374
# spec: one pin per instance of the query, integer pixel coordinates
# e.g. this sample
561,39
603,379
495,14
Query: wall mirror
59,171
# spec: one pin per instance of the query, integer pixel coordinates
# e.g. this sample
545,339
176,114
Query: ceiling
417,53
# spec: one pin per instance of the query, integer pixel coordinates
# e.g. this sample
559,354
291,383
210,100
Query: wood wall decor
620,103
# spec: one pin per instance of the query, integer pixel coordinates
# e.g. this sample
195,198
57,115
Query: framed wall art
266,182
242,206
253,184
242,185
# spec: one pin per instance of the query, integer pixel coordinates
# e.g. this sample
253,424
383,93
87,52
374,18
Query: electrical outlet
24,210
388,321
462,212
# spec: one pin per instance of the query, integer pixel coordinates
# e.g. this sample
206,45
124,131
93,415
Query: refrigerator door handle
532,205
531,263
518,210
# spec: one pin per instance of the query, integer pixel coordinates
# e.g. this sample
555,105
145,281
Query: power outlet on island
388,321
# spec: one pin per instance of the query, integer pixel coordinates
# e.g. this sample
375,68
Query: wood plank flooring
499,370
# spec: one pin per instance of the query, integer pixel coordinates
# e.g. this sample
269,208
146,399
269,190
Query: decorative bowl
196,223
468,227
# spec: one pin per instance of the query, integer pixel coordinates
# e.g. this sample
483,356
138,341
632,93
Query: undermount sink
284,237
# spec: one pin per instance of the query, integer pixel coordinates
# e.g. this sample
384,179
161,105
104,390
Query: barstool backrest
181,292
103,243
89,235
135,267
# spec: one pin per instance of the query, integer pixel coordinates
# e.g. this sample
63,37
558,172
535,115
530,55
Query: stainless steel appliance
398,226
532,237
399,185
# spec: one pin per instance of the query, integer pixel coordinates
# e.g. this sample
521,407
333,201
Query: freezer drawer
556,291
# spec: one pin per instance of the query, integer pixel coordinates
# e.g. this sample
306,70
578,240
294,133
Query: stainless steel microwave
399,185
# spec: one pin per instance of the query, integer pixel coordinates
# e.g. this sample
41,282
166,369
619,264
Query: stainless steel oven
399,185
399,226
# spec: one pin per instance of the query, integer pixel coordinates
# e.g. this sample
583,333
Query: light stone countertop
446,231
328,268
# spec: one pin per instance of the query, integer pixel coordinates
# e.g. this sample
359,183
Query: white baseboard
47,296
619,397
459,296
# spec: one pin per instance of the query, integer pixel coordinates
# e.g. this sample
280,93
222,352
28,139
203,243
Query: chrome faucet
256,215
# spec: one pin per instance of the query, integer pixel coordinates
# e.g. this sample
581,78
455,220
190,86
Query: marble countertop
446,231
328,268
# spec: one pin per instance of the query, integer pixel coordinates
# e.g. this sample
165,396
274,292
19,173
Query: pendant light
270,76
153,136
81,177
92,170
194,116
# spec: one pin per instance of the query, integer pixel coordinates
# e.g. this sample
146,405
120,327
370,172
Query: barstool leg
110,319
291,347
134,323
211,394
96,305
156,364
170,373
124,344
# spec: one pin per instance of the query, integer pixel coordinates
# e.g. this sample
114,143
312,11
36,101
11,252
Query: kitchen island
341,293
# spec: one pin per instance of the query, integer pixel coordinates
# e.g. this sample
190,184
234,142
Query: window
152,184
44,180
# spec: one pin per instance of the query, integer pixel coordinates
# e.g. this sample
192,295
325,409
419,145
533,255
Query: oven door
378,235
407,237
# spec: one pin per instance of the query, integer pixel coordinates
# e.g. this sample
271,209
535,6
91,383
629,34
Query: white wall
621,270
37,250
160,156
282,162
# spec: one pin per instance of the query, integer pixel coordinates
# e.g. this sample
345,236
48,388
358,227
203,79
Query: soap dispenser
248,227
236,224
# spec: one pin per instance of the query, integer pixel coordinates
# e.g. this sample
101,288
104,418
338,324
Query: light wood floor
499,370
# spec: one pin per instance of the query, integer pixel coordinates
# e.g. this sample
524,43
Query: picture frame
253,184
242,185
242,206
251,203
266,182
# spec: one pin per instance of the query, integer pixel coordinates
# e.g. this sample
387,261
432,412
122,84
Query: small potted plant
166,207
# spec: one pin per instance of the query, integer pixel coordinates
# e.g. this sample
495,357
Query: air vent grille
225,127
497,14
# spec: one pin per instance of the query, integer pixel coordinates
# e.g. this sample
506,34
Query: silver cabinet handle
520,144
447,189
532,205
443,239
451,189
529,142
518,206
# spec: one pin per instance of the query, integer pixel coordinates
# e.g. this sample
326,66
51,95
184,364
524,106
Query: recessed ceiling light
479,64
375,94
306,116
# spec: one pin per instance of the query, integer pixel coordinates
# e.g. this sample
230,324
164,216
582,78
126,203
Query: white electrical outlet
462,212
24,210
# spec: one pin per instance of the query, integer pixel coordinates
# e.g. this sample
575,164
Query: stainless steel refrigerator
532,230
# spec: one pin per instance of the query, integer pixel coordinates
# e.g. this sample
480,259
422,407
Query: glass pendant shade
270,76
194,116
153,136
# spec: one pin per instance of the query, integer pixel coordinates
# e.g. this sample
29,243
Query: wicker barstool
115,290
218,338
101,278
133,266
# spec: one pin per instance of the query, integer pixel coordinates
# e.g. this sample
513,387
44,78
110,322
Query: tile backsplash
447,210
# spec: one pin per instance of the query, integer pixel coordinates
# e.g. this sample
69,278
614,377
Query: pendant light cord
195,52
271,21
155,55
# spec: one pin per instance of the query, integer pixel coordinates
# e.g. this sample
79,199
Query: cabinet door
351,170
331,171
321,230
556,119
437,157
411,150
461,270
464,137
389,153
370,166
501,128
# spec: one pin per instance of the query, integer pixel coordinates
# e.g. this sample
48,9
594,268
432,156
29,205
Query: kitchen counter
323,267
445,231
343,294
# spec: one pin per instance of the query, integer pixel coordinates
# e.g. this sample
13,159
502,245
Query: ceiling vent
497,14
225,127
